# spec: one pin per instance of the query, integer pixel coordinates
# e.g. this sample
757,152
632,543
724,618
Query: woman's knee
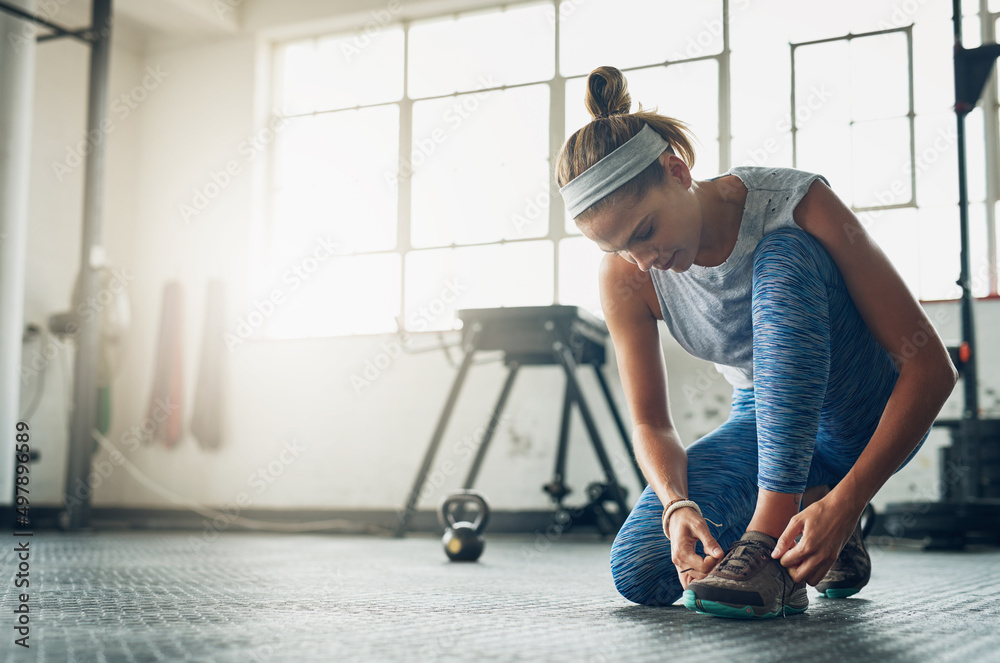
792,254
643,578
641,563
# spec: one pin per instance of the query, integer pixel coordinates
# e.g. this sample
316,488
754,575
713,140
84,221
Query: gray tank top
707,309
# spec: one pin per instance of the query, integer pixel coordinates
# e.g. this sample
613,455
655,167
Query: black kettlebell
463,541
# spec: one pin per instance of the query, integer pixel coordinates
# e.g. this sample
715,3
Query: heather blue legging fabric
821,382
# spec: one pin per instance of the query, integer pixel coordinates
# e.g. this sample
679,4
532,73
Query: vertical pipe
76,500
992,132
557,136
968,331
17,76
725,97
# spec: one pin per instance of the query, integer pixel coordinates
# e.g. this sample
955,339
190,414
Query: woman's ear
675,168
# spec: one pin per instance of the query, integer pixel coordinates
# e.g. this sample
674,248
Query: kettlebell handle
448,521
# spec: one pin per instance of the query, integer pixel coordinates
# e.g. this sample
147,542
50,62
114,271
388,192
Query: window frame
557,130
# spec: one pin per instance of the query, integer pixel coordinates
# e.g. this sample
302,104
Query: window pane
933,67
897,233
979,268
822,150
771,145
882,162
936,164
975,154
822,21
971,37
996,215
880,80
341,71
579,262
630,33
687,92
482,49
476,160
331,171
517,274
940,245
340,296
822,85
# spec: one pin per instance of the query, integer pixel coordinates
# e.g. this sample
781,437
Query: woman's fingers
708,542
687,530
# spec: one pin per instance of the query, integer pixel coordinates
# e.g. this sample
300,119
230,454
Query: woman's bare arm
658,448
926,376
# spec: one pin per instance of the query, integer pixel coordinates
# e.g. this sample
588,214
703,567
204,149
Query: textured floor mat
167,596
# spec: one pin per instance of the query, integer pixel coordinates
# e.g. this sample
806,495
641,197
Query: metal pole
968,330
81,443
17,77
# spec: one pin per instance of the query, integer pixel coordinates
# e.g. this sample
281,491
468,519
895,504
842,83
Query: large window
411,173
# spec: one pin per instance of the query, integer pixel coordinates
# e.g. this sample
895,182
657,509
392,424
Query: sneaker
748,583
851,571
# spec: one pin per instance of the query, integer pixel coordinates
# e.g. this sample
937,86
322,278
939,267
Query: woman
765,272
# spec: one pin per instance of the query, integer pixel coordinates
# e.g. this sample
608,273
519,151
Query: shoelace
748,549
745,552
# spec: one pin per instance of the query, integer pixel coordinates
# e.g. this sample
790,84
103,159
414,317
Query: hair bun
607,93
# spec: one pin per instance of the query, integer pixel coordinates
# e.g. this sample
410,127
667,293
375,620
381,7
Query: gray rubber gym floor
153,596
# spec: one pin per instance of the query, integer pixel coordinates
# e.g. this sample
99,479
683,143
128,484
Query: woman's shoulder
775,178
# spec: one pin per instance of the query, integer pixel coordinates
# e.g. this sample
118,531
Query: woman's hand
825,526
686,529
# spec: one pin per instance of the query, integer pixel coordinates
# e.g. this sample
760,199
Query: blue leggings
821,382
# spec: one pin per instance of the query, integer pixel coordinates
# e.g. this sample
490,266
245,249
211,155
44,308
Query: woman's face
661,231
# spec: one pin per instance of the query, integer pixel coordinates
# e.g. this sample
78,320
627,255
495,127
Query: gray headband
612,171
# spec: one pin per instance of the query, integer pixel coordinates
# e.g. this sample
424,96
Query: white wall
357,450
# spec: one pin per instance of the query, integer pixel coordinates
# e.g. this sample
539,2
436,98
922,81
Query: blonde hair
608,102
